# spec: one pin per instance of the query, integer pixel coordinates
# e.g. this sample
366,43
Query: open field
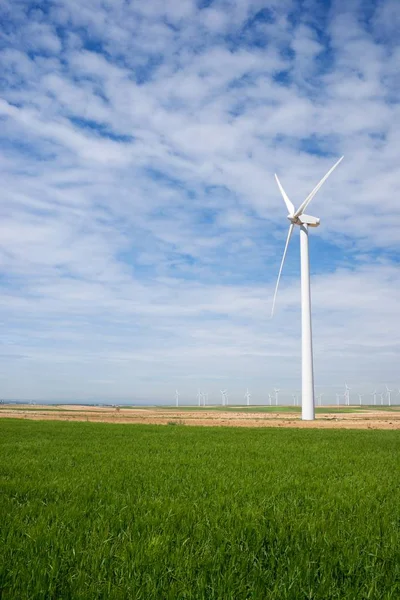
93,510
349,417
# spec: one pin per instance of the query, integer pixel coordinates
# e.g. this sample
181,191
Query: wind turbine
270,399
247,397
294,396
381,394
298,217
276,390
374,395
347,394
224,398
319,397
199,397
360,396
337,399
388,392
177,397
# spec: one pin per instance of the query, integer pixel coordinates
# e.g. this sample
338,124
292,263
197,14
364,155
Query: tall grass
117,512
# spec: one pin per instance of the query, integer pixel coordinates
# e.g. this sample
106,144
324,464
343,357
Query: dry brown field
367,418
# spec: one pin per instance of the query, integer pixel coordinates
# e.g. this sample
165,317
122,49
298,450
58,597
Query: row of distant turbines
202,398
385,397
378,398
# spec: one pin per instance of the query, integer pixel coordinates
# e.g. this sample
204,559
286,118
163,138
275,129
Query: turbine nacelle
304,220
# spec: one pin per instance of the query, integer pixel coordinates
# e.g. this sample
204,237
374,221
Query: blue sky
141,226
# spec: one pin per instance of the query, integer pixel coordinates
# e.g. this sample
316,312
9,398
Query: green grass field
100,511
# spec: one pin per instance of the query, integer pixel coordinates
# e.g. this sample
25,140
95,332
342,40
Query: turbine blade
289,235
289,204
307,201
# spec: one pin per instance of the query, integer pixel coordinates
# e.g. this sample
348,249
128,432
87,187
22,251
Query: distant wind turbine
270,399
381,394
199,397
360,396
294,396
247,397
299,218
388,395
347,394
374,396
224,398
276,390
177,397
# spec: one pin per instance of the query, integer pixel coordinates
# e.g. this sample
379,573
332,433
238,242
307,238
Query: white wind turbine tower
374,395
389,398
337,399
276,390
319,397
177,397
298,217
270,399
360,397
381,394
247,397
199,397
294,396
